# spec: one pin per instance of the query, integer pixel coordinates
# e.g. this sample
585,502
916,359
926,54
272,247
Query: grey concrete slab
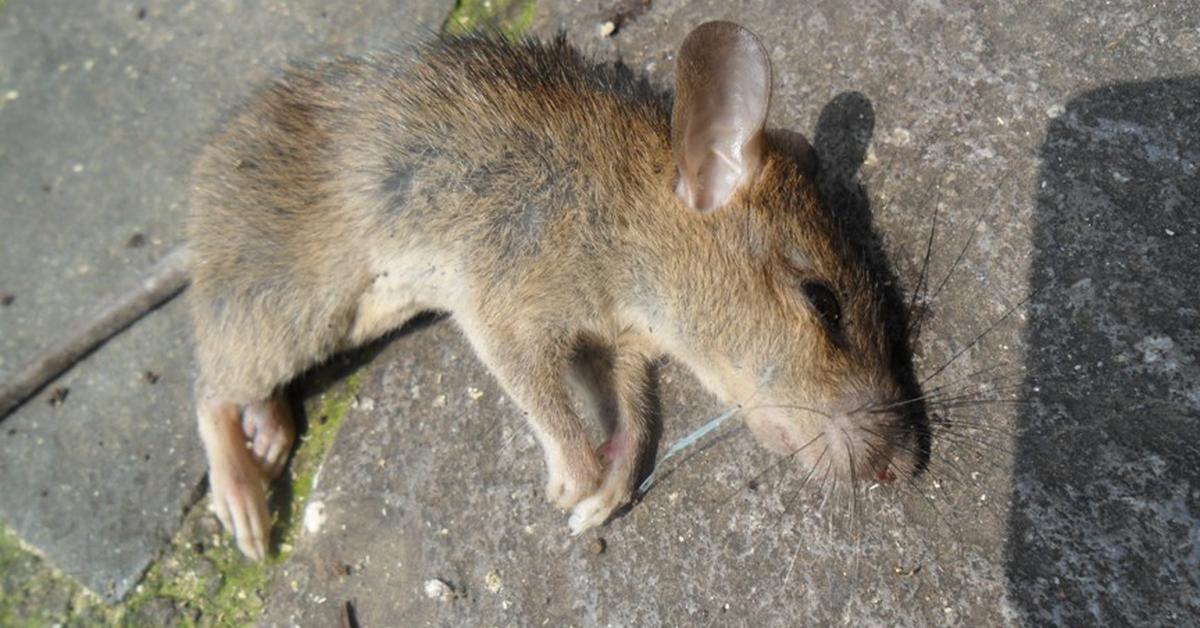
1058,146
102,107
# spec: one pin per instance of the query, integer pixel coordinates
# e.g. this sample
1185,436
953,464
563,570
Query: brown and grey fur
538,199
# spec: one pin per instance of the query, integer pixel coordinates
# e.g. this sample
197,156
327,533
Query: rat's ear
722,89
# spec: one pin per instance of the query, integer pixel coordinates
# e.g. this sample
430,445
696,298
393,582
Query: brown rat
552,207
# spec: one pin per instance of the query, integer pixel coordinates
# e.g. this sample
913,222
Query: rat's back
499,145
487,153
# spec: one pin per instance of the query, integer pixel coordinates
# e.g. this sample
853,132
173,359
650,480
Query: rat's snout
869,444
854,438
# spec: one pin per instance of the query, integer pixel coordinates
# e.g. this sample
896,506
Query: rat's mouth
859,448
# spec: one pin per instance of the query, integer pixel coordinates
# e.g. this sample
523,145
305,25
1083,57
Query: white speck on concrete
493,582
436,589
314,516
1159,351
901,136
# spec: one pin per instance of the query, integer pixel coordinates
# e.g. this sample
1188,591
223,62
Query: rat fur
548,204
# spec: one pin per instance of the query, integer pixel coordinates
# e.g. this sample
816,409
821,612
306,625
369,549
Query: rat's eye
824,302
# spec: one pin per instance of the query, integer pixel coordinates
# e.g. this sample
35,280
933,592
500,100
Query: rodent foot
234,475
239,502
269,428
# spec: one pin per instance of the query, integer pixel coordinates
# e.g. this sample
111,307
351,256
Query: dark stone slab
102,106
1061,157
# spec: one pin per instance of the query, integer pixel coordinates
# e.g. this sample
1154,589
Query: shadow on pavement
1104,527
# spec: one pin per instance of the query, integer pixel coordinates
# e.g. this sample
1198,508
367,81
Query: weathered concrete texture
1063,488
102,107
99,482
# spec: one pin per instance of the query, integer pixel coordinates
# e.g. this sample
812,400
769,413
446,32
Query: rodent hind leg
625,451
235,477
533,369
269,427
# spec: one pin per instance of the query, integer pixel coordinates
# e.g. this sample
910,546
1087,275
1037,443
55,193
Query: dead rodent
549,205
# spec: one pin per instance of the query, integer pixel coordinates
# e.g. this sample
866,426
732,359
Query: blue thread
686,442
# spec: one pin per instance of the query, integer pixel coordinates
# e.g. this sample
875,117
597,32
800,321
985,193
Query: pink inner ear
723,86
720,176
720,170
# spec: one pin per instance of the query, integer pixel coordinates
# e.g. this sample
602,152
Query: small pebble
493,582
136,241
607,28
440,590
151,377
58,396
598,546
7,299
314,516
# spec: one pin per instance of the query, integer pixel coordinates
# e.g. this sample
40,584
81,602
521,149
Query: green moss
326,416
513,18
201,579
32,593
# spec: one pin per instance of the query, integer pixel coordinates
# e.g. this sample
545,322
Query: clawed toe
268,427
237,473
596,510
240,504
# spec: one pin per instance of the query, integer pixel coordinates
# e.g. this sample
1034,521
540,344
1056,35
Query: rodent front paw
597,508
571,481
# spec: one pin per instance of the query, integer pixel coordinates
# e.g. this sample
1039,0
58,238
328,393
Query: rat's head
777,310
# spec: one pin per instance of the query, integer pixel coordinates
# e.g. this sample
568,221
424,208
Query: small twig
166,279
346,616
